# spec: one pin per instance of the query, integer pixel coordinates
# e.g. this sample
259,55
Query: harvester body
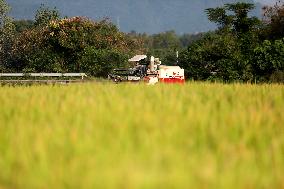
148,70
171,74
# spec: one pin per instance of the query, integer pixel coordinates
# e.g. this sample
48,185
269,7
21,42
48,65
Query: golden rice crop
197,135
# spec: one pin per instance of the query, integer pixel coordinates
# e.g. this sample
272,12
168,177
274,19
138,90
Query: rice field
129,136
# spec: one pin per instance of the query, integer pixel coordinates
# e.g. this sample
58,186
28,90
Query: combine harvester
150,71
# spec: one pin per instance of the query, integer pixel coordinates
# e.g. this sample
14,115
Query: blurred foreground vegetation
196,135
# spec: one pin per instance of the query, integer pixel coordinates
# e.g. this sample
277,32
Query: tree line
243,48
52,43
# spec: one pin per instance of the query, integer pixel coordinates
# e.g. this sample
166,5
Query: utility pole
177,53
118,22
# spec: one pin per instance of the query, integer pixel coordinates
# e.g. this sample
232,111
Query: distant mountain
267,2
150,16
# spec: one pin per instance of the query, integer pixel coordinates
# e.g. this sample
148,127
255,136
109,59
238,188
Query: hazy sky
267,1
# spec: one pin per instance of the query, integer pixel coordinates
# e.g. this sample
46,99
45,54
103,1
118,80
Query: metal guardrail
82,75
17,82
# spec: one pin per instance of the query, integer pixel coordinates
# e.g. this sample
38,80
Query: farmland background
198,135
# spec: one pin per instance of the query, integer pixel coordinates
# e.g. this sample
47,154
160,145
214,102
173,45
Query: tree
22,25
274,21
164,45
188,39
100,62
239,21
219,16
4,9
213,57
167,39
6,34
72,45
45,14
226,54
268,59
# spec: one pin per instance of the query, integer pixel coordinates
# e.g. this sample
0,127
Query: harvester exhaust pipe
152,64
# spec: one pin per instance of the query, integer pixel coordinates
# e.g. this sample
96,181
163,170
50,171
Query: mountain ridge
149,16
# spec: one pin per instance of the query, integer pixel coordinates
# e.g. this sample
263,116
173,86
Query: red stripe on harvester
172,80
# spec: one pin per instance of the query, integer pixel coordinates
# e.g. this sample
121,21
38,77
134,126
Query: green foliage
238,21
167,39
219,16
274,21
188,39
45,14
163,45
235,51
26,51
22,25
67,45
269,58
242,23
100,62
214,57
4,9
7,31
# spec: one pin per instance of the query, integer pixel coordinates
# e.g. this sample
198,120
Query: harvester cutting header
148,70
